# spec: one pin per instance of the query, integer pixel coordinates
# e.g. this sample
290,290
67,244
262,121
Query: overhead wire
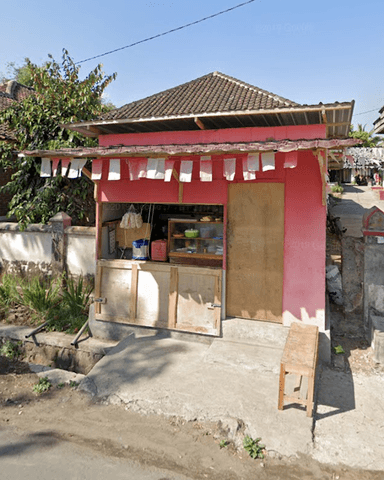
167,32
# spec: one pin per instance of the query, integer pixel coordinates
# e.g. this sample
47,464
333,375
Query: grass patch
9,295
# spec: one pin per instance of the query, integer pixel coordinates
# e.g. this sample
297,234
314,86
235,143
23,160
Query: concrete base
234,383
377,338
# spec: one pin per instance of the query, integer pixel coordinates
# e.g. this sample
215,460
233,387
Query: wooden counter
157,294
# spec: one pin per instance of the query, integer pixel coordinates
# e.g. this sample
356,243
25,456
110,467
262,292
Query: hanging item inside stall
131,219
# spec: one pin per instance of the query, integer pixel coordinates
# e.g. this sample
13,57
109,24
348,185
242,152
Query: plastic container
192,233
159,251
206,231
140,249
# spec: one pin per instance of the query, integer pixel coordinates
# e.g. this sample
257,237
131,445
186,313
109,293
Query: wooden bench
299,358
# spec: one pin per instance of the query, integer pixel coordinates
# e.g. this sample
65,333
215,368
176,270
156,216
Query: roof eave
91,128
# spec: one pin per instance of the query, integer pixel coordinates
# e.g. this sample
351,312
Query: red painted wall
216,136
305,239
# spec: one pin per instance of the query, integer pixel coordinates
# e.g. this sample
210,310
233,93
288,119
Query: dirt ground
189,448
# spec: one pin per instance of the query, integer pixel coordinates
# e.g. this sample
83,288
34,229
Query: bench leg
311,386
281,387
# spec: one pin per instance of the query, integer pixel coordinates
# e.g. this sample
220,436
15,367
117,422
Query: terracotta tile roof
5,101
212,93
9,92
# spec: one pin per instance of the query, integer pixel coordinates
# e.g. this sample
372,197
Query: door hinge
100,300
214,305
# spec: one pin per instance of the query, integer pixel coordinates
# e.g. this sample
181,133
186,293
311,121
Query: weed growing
42,386
253,447
10,349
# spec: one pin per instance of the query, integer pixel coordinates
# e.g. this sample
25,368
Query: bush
337,188
41,297
63,302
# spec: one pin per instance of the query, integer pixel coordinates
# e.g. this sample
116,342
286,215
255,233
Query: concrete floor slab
172,377
350,420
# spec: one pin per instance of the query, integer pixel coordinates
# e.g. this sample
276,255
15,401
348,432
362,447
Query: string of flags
162,168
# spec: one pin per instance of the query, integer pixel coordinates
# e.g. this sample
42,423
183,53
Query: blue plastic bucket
140,249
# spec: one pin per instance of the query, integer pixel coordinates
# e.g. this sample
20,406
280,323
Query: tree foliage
60,97
21,73
369,140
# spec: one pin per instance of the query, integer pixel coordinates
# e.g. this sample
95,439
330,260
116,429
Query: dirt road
113,432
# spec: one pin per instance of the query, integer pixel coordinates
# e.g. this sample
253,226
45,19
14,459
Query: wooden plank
255,258
217,301
193,329
173,294
129,321
134,282
181,191
99,216
158,267
199,123
87,173
99,273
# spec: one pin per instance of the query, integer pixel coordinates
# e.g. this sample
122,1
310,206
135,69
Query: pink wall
305,216
304,243
216,136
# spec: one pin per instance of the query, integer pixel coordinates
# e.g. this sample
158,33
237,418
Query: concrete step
254,332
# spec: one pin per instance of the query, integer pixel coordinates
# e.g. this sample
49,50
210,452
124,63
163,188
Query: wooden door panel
255,243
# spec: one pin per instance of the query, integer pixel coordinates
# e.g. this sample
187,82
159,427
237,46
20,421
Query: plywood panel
152,297
255,243
116,288
195,294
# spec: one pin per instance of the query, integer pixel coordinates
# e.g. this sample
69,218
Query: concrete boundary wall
47,249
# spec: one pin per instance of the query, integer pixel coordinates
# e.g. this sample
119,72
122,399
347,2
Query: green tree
61,97
21,73
369,140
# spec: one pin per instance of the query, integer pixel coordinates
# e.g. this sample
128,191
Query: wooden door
255,251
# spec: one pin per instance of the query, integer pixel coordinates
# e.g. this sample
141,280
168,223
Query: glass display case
195,242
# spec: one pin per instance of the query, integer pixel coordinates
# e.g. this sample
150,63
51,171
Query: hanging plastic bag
131,219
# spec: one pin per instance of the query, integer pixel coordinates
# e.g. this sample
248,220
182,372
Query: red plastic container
159,251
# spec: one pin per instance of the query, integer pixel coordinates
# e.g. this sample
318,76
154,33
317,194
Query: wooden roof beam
199,123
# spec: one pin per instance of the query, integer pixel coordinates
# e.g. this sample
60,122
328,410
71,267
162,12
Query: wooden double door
255,251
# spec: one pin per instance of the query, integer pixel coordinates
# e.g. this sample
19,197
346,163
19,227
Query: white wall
30,251
34,244
80,250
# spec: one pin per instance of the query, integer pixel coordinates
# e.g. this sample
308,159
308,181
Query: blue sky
309,52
